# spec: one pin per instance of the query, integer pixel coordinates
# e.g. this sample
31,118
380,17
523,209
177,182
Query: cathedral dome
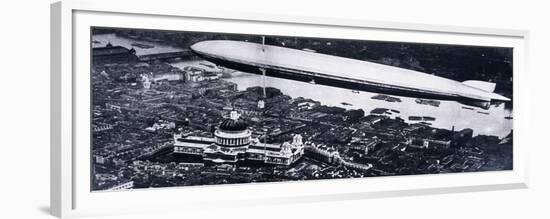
233,132
233,125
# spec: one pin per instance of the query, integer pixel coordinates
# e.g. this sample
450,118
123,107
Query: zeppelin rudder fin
482,85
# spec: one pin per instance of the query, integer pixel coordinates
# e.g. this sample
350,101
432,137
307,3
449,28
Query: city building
232,143
428,143
169,76
113,54
463,136
365,145
121,186
110,182
101,127
323,152
195,74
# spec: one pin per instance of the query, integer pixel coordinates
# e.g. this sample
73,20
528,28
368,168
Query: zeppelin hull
342,72
309,77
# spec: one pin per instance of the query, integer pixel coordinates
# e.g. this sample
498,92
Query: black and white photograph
172,108
134,109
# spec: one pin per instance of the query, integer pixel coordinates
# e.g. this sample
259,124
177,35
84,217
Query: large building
113,54
232,143
417,142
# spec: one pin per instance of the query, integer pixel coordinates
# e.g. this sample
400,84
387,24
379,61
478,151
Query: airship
336,71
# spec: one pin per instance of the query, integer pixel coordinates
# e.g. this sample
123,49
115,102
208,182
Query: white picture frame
71,196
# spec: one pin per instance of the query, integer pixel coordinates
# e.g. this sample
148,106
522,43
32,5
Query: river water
448,114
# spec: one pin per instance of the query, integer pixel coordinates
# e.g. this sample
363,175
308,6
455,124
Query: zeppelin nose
200,47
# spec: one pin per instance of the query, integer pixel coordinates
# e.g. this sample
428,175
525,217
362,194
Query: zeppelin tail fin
482,85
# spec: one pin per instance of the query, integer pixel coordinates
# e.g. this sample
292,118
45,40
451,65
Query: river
448,114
